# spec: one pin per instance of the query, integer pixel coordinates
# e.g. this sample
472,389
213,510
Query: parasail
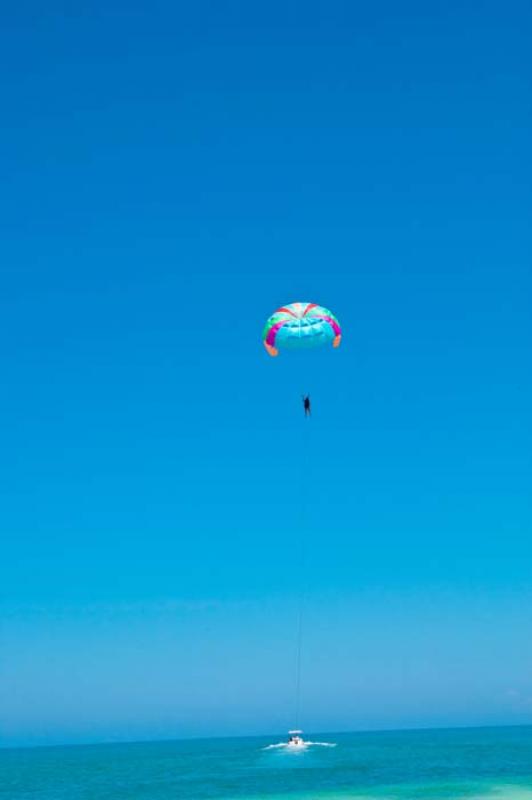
300,325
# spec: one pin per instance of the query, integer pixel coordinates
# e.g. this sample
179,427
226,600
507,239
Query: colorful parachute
300,325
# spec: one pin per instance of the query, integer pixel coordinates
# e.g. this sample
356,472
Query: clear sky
171,173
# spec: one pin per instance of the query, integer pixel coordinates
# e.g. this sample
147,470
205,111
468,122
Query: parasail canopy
300,325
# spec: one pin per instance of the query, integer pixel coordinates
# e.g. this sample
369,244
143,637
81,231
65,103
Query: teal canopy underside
304,334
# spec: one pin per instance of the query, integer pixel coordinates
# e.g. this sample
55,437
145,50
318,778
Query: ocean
494,763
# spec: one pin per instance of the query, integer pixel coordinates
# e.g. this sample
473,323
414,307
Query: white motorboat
295,740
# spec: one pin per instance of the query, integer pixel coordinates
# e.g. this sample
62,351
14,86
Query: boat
295,739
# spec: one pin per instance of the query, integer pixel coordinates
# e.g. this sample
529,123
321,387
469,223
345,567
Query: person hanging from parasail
300,326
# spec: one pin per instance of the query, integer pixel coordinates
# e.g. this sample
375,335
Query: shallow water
494,763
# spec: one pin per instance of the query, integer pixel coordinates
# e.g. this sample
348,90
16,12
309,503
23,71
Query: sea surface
494,763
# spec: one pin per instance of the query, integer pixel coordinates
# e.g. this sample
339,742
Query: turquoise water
491,763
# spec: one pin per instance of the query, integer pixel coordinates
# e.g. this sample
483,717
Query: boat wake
301,746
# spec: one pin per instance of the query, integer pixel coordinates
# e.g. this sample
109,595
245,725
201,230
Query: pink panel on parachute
285,310
272,333
269,342
334,325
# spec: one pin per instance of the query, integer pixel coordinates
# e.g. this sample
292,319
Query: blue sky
171,174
